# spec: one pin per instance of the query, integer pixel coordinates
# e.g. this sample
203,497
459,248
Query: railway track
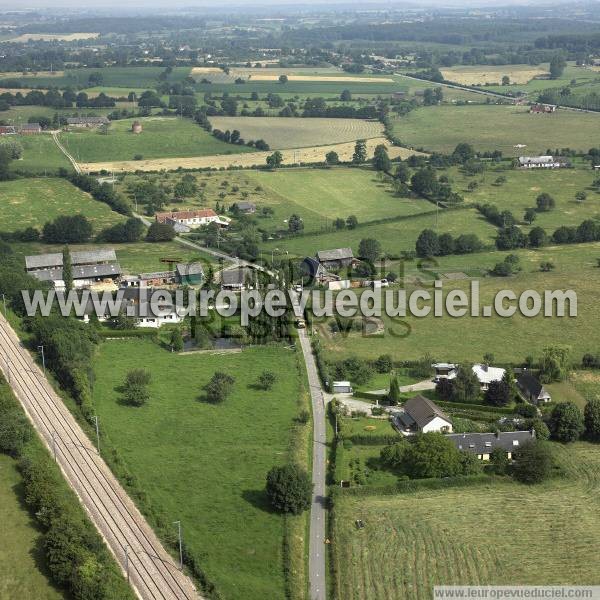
151,570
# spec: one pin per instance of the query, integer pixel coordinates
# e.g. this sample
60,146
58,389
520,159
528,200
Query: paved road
318,511
154,574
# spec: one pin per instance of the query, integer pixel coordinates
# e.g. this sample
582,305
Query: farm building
541,162
189,273
420,414
335,259
235,279
341,387
245,207
483,444
184,220
486,374
444,371
7,130
86,122
136,127
312,268
532,389
540,108
88,267
30,129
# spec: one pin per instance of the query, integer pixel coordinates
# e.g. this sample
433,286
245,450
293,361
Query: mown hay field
313,154
490,534
493,74
496,127
289,132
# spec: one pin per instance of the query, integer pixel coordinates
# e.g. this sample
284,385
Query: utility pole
178,523
95,417
54,444
41,349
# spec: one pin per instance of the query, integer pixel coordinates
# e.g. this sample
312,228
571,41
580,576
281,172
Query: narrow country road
64,151
153,573
318,511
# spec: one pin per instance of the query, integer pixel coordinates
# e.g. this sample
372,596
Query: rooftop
423,410
487,374
80,257
336,254
484,443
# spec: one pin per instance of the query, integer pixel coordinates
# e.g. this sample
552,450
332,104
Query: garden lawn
206,464
21,554
495,127
458,536
33,202
162,137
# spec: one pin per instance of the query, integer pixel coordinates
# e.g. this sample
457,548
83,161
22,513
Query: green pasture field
320,196
394,236
206,464
40,155
522,188
18,115
289,132
495,127
33,202
123,77
21,555
458,536
162,137
469,338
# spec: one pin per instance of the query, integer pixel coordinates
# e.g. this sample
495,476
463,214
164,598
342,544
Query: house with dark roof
335,259
30,129
421,415
531,388
189,273
483,444
245,207
234,279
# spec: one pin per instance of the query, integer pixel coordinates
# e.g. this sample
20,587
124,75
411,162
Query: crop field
315,154
33,202
394,236
21,554
319,196
449,339
206,464
457,536
579,74
288,132
54,37
492,74
495,127
40,155
161,137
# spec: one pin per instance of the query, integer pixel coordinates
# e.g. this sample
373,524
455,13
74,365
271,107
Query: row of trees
430,243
